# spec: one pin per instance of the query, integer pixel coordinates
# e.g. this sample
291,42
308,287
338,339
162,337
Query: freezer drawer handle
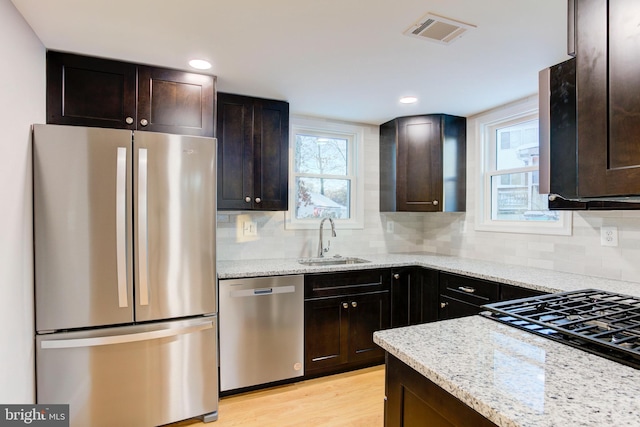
142,227
262,291
123,339
121,227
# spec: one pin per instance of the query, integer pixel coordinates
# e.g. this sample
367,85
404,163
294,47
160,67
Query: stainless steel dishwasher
261,330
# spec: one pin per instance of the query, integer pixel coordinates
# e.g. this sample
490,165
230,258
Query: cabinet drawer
352,282
473,291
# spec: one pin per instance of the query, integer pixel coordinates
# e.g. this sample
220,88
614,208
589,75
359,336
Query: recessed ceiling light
408,100
200,64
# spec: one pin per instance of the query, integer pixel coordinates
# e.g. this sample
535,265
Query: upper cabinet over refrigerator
88,91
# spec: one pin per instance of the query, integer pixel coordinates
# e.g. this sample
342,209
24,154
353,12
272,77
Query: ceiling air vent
438,29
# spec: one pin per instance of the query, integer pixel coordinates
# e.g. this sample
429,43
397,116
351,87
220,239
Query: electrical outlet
389,226
609,236
249,228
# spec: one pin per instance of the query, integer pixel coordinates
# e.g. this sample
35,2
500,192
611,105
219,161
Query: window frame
355,171
484,127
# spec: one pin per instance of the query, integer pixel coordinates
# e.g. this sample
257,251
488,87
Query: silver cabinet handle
144,122
435,203
345,305
122,339
467,289
354,304
129,120
258,199
121,226
247,199
443,304
143,243
396,276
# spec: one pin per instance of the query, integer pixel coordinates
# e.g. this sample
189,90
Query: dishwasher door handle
256,292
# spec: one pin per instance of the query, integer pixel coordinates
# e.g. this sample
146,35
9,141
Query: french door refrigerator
125,281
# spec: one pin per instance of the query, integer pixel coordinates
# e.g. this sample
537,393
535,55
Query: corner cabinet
423,164
253,153
608,82
414,296
341,313
97,92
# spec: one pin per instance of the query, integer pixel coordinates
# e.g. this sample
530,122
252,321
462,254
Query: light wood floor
353,399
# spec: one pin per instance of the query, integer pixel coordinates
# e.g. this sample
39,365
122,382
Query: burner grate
601,322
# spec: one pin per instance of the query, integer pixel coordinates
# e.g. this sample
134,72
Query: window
325,176
509,199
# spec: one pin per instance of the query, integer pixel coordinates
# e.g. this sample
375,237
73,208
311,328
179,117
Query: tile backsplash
442,233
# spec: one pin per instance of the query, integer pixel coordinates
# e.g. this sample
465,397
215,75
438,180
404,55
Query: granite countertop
515,378
526,277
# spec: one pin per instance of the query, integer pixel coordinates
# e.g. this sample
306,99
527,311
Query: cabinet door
253,153
234,131
429,299
402,296
608,59
367,314
87,91
414,296
271,151
326,325
419,171
175,101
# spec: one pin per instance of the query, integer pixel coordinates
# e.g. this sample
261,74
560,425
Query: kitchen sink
332,261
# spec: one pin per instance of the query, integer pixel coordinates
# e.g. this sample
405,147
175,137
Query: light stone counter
526,277
517,379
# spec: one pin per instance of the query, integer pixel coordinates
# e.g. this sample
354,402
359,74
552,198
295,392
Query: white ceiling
344,59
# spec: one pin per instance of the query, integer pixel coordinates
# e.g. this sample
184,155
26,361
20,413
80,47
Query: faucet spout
321,248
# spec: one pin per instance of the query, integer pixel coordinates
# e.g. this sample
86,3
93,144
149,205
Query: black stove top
604,323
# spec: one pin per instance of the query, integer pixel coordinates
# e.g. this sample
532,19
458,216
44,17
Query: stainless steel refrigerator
125,280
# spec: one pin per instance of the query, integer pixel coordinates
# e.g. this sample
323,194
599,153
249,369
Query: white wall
22,102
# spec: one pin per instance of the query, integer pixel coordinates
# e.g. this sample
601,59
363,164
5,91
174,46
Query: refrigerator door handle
121,226
143,269
127,338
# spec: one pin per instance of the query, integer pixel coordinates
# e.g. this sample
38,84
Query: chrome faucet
321,248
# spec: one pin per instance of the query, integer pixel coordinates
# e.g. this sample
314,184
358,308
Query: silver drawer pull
443,304
467,289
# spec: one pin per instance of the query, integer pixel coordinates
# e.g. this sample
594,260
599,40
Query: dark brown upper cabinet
423,164
608,100
88,91
253,153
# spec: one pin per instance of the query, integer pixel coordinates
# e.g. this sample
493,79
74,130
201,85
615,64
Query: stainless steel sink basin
332,261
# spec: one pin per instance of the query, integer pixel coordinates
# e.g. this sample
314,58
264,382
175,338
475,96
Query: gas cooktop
604,323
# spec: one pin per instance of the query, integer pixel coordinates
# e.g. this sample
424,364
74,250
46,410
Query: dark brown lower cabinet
414,296
339,332
412,400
